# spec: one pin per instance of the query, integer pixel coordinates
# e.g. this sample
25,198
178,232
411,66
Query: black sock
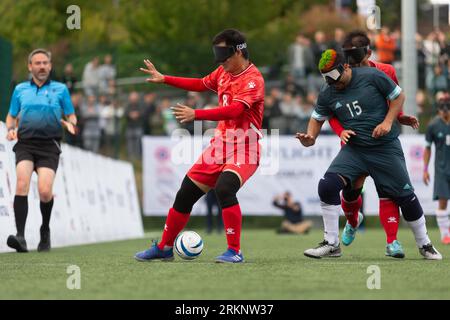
46,211
21,213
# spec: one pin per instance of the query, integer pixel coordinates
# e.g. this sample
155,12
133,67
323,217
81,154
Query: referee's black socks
46,210
20,213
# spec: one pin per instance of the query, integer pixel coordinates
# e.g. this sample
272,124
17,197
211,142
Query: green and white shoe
348,235
395,250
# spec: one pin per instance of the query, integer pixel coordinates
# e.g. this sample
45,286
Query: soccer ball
188,245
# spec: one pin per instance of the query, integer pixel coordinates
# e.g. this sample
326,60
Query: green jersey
438,132
361,106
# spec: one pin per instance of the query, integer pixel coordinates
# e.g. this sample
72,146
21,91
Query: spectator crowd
108,119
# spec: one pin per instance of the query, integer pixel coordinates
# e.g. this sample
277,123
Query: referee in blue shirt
35,119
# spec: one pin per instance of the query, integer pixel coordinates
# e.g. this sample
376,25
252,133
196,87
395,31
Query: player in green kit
358,98
438,132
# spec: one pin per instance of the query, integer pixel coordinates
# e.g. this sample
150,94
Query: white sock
419,228
443,222
448,215
330,215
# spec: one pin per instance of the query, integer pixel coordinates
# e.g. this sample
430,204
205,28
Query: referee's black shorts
43,153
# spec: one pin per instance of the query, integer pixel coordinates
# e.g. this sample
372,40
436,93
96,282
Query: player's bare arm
309,139
394,109
426,161
155,75
11,127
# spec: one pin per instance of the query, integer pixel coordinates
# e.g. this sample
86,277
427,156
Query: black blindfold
221,54
355,55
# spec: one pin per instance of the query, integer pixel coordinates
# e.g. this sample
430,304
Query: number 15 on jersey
354,109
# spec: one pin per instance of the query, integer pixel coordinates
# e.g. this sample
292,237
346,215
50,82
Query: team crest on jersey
251,85
220,82
338,105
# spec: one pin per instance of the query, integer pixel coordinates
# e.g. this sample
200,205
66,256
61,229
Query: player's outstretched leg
413,214
351,203
176,220
329,187
226,188
390,219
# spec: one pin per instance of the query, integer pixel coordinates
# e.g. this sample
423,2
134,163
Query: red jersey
388,69
246,87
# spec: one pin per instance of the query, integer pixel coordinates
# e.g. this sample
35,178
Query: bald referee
37,107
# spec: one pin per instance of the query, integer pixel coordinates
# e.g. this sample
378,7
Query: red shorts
240,159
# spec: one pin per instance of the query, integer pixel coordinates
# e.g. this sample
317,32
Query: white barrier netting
285,166
95,199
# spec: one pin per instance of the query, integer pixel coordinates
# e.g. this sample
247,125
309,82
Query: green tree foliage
175,34
30,24
26,28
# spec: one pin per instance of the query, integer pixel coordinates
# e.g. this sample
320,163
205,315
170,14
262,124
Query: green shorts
385,164
441,188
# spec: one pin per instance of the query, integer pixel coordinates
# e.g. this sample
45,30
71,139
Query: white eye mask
333,75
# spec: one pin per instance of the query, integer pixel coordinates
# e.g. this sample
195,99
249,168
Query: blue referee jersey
40,109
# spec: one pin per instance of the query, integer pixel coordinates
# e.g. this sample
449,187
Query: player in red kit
233,154
356,48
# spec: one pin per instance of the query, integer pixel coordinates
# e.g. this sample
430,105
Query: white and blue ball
188,245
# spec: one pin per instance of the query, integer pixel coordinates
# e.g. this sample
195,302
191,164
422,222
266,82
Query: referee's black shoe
44,244
17,242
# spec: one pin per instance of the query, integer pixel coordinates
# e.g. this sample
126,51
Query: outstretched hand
156,76
407,120
183,113
70,127
305,139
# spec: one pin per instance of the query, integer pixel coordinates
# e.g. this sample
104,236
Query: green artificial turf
275,268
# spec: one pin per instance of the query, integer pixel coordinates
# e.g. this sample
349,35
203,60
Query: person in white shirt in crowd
110,115
300,58
432,51
107,75
91,119
91,77
170,123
